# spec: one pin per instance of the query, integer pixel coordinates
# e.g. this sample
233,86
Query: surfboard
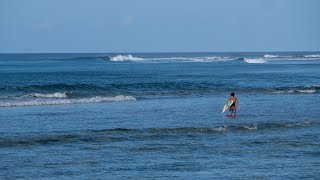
227,106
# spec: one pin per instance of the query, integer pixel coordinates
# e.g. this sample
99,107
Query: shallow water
158,116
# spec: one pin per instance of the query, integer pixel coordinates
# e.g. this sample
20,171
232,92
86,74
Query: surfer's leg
230,112
233,111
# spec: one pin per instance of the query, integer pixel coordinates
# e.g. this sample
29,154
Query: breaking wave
163,58
84,93
312,56
171,59
270,56
126,58
254,61
257,59
298,90
56,101
186,57
53,95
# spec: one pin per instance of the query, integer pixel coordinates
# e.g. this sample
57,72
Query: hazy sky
159,25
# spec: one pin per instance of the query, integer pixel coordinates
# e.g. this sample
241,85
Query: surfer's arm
238,104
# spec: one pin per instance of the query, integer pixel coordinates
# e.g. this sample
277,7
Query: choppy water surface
156,116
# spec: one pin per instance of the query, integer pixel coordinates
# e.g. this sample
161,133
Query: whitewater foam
283,92
270,56
50,101
171,59
126,58
220,129
54,95
254,60
250,128
307,91
312,56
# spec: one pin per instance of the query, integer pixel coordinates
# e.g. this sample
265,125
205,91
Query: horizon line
161,52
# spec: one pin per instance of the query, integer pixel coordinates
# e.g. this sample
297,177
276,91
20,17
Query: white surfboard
227,106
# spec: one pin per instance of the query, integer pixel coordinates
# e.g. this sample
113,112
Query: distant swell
50,101
158,58
123,134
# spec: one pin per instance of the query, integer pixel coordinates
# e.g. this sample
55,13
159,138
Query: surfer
232,108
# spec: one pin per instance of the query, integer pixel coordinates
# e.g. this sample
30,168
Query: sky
101,26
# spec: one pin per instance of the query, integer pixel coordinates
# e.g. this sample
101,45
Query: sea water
158,116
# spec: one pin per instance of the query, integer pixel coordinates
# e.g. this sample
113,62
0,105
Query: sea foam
125,58
307,91
312,56
270,56
53,95
50,101
254,60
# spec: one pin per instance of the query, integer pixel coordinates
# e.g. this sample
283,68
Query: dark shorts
233,109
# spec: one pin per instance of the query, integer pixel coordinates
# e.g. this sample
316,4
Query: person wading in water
233,108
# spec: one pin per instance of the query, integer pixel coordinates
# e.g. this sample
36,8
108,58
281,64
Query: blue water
158,116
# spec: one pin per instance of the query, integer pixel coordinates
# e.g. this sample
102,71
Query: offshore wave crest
255,60
76,91
52,95
161,57
247,59
125,58
170,59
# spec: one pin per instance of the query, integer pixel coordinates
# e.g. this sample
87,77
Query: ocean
158,116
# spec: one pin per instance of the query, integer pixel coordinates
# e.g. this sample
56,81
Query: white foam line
307,91
39,102
126,58
254,60
312,56
170,59
53,95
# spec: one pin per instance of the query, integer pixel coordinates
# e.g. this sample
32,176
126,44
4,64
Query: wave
312,56
125,58
53,95
176,57
53,101
164,58
71,93
270,56
310,91
171,59
254,60
292,57
127,134
297,90
248,59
